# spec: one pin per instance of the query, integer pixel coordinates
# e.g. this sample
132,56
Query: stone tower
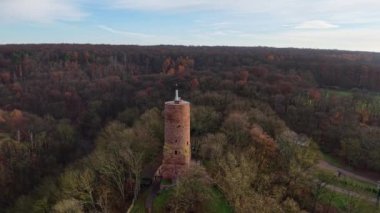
177,149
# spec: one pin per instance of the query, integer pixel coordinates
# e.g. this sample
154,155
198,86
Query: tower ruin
177,148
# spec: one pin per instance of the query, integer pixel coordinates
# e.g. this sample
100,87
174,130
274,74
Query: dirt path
154,189
327,166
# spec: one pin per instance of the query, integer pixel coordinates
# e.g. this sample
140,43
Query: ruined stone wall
177,151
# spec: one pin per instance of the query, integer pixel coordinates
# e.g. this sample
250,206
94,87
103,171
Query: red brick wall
177,151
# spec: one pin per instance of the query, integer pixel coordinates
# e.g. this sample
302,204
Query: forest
81,126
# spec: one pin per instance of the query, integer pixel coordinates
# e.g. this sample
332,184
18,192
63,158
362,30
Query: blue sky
323,24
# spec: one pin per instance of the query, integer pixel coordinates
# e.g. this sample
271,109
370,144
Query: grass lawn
348,183
345,203
345,93
160,201
219,203
334,161
342,202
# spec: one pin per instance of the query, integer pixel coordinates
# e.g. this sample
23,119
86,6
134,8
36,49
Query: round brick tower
177,151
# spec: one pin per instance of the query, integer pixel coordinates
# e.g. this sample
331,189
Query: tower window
187,142
178,126
175,152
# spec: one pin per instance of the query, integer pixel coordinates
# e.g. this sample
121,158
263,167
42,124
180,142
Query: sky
320,24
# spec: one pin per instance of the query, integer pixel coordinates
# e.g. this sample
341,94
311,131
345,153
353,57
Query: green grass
348,183
342,202
334,161
344,93
166,182
139,206
219,203
345,203
344,181
160,201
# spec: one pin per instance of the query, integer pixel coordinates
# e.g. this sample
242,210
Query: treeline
56,99
64,81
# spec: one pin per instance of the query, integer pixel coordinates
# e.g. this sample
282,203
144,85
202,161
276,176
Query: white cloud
125,33
348,39
39,10
316,25
246,5
165,5
157,4
345,39
338,11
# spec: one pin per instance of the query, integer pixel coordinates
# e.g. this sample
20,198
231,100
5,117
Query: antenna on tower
176,98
